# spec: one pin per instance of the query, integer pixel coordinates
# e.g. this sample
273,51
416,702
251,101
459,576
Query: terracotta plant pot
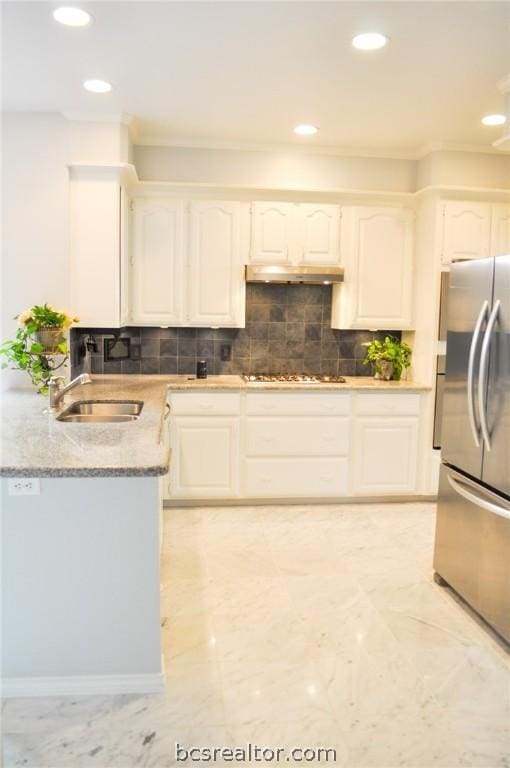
50,338
384,370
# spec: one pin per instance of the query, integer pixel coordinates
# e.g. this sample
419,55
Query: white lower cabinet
385,445
205,457
303,436
292,445
300,476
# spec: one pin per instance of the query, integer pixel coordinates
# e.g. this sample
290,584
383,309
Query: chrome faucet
57,391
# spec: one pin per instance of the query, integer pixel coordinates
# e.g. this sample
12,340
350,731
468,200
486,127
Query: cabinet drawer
205,403
388,404
305,477
299,404
295,477
306,436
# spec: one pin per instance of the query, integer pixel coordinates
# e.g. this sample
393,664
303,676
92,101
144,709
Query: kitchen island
81,508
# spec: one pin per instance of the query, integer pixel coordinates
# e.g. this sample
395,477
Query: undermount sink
102,411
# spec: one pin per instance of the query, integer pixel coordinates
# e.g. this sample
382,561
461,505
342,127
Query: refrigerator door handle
470,373
484,372
469,495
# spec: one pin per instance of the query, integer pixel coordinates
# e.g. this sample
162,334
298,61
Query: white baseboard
82,685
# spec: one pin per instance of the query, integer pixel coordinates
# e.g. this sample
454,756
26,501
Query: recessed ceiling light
369,41
72,17
97,86
494,120
305,129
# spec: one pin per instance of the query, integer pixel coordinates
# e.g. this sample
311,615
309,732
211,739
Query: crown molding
182,142
99,117
185,142
449,146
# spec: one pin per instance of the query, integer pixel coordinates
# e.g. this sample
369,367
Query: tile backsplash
287,331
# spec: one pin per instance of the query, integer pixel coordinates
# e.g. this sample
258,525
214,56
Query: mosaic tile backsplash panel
287,331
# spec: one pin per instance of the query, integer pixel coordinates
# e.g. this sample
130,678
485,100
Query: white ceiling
247,72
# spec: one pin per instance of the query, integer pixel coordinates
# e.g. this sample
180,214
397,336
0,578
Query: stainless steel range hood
263,273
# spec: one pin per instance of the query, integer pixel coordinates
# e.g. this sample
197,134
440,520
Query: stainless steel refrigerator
472,545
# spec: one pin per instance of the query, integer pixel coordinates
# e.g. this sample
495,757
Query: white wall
464,169
36,150
95,142
297,170
273,169
34,217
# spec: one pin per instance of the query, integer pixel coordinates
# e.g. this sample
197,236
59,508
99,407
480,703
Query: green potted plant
389,357
39,347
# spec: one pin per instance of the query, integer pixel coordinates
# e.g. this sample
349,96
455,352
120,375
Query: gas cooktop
295,378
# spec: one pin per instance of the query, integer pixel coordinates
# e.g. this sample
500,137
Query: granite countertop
238,383
35,444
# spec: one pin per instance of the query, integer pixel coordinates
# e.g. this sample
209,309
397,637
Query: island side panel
80,579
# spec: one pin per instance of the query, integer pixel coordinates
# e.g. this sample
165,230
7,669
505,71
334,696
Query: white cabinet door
385,455
500,238
377,253
95,249
272,233
216,285
319,234
467,231
205,457
157,261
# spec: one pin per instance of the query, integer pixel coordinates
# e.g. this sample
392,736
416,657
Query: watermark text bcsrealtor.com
253,753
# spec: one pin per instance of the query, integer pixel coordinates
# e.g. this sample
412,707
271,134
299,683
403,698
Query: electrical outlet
225,352
24,486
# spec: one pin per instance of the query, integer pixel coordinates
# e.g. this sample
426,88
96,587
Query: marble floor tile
58,747
277,691
295,626
41,714
312,734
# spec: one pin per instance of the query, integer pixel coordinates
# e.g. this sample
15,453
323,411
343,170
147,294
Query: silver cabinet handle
484,373
470,376
490,506
167,411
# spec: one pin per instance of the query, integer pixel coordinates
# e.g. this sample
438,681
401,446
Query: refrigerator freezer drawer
472,546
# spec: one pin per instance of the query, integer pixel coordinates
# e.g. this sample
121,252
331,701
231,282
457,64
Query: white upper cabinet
95,248
158,261
187,263
216,283
319,233
295,233
377,254
500,238
466,231
272,233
